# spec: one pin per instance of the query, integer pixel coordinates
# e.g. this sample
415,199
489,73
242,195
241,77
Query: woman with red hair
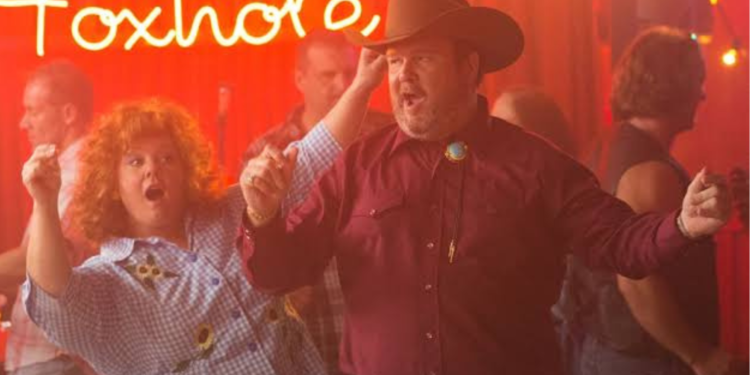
167,293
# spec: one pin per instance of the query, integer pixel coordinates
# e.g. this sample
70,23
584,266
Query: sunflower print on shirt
149,273
205,341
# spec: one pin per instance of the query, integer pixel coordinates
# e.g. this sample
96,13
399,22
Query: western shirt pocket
492,229
375,230
378,206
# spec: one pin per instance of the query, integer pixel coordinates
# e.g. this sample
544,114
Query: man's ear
299,76
69,114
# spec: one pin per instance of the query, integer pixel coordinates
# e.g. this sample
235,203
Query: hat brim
495,35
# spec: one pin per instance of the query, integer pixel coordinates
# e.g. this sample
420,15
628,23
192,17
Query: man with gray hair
58,106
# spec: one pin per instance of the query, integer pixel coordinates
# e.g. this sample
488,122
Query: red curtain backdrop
720,138
732,261
565,56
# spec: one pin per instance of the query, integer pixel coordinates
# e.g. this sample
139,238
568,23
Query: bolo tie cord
457,224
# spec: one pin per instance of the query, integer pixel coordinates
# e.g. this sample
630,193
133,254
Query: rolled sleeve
72,321
317,152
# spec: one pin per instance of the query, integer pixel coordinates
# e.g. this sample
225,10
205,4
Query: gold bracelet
257,216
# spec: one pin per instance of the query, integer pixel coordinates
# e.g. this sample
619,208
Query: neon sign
271,15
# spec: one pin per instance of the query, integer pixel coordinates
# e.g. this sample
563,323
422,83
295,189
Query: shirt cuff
317,152
248,236
670,238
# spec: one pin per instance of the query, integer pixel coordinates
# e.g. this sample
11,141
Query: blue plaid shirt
146,306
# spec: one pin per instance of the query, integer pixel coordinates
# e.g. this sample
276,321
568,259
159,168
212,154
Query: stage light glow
702,39
730,57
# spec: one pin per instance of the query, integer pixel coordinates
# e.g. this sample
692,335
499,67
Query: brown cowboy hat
493,34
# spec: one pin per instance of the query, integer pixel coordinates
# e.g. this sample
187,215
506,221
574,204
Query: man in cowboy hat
450,230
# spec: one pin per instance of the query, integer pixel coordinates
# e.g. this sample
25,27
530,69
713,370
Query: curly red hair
96,204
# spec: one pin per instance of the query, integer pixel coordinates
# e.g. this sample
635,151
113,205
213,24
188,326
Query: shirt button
236,314
253,347
430,245
373,212
215,281
429,335
193,257
428,287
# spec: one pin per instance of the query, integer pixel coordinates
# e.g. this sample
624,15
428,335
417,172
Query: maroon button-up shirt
387,210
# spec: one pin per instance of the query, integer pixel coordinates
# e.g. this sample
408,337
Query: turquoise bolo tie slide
457,151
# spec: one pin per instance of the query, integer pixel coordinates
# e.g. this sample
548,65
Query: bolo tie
456,152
